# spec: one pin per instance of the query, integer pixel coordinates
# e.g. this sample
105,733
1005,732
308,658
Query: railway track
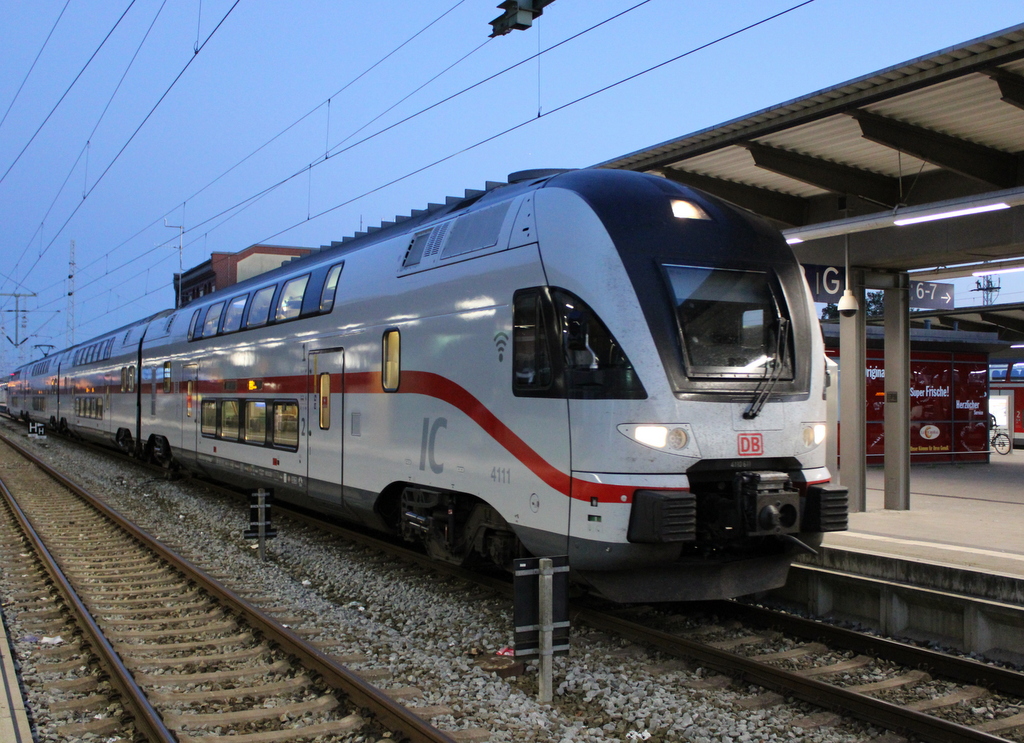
159,648
929,695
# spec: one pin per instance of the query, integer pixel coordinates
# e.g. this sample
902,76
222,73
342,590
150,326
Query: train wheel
160,450
1001,443
124,441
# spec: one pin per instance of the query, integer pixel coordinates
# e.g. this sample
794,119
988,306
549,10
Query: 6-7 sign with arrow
928,295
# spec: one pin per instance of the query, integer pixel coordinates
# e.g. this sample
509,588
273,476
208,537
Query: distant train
596,363
1007,376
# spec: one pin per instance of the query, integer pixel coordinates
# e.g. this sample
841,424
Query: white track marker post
546,582
261,505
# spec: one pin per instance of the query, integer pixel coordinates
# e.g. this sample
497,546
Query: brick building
225,269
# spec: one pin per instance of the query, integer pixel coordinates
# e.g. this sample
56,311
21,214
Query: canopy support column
852,398
897,395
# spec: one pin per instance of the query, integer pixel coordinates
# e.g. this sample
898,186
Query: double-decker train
596,363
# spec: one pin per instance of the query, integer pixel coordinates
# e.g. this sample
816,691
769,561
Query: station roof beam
1011,86
784,208
831,176
976,161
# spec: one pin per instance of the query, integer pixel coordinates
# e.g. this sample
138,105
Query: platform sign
828,282
930,295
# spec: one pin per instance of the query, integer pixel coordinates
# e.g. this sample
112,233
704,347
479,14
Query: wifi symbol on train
501,342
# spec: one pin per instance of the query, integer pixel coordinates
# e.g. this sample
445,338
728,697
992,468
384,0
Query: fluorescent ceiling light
993,271
954,213
1018,345
793,240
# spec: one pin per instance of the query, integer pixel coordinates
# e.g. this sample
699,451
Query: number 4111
502,475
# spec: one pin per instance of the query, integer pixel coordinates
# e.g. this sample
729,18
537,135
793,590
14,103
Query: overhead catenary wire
306,169
33,65
280,134
72,85
132,137
92,134
555,110
507,130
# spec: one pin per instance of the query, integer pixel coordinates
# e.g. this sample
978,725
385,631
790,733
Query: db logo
750,444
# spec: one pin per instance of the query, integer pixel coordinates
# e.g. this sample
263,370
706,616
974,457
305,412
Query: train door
190,408
325,424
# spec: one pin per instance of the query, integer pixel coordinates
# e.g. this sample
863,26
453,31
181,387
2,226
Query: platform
14,725
963,515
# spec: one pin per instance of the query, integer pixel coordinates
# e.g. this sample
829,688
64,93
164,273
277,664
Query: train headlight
814,434
687,210
656,436
671,438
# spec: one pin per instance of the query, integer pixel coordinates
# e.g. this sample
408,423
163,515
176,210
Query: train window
330,287
233,317
167,376
189,397
212,319
170,322
229,419
124,379
99,407
1017,372
731,323
259,310
997,372
255,422
131,378
286,424
109,348
191,326
208,418
391,366
596,367
290,304
531,354
324,390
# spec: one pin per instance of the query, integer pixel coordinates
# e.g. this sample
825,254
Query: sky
249,121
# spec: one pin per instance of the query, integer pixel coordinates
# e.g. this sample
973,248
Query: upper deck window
233,317
259,310
730,323
212,319
330,287
290,304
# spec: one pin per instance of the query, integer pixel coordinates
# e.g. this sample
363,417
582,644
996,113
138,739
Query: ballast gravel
416,629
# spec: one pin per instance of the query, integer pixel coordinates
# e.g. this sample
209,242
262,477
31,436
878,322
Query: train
1006,377
594,363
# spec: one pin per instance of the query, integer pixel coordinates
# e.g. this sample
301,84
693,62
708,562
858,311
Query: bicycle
1000,441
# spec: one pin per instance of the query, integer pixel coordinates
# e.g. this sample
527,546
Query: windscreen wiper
775,365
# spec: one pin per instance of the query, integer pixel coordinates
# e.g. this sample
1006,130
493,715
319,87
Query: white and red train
596,363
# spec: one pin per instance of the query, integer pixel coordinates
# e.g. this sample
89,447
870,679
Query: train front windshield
732,323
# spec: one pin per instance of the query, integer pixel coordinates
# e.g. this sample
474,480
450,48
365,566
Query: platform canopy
916,168
937,134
